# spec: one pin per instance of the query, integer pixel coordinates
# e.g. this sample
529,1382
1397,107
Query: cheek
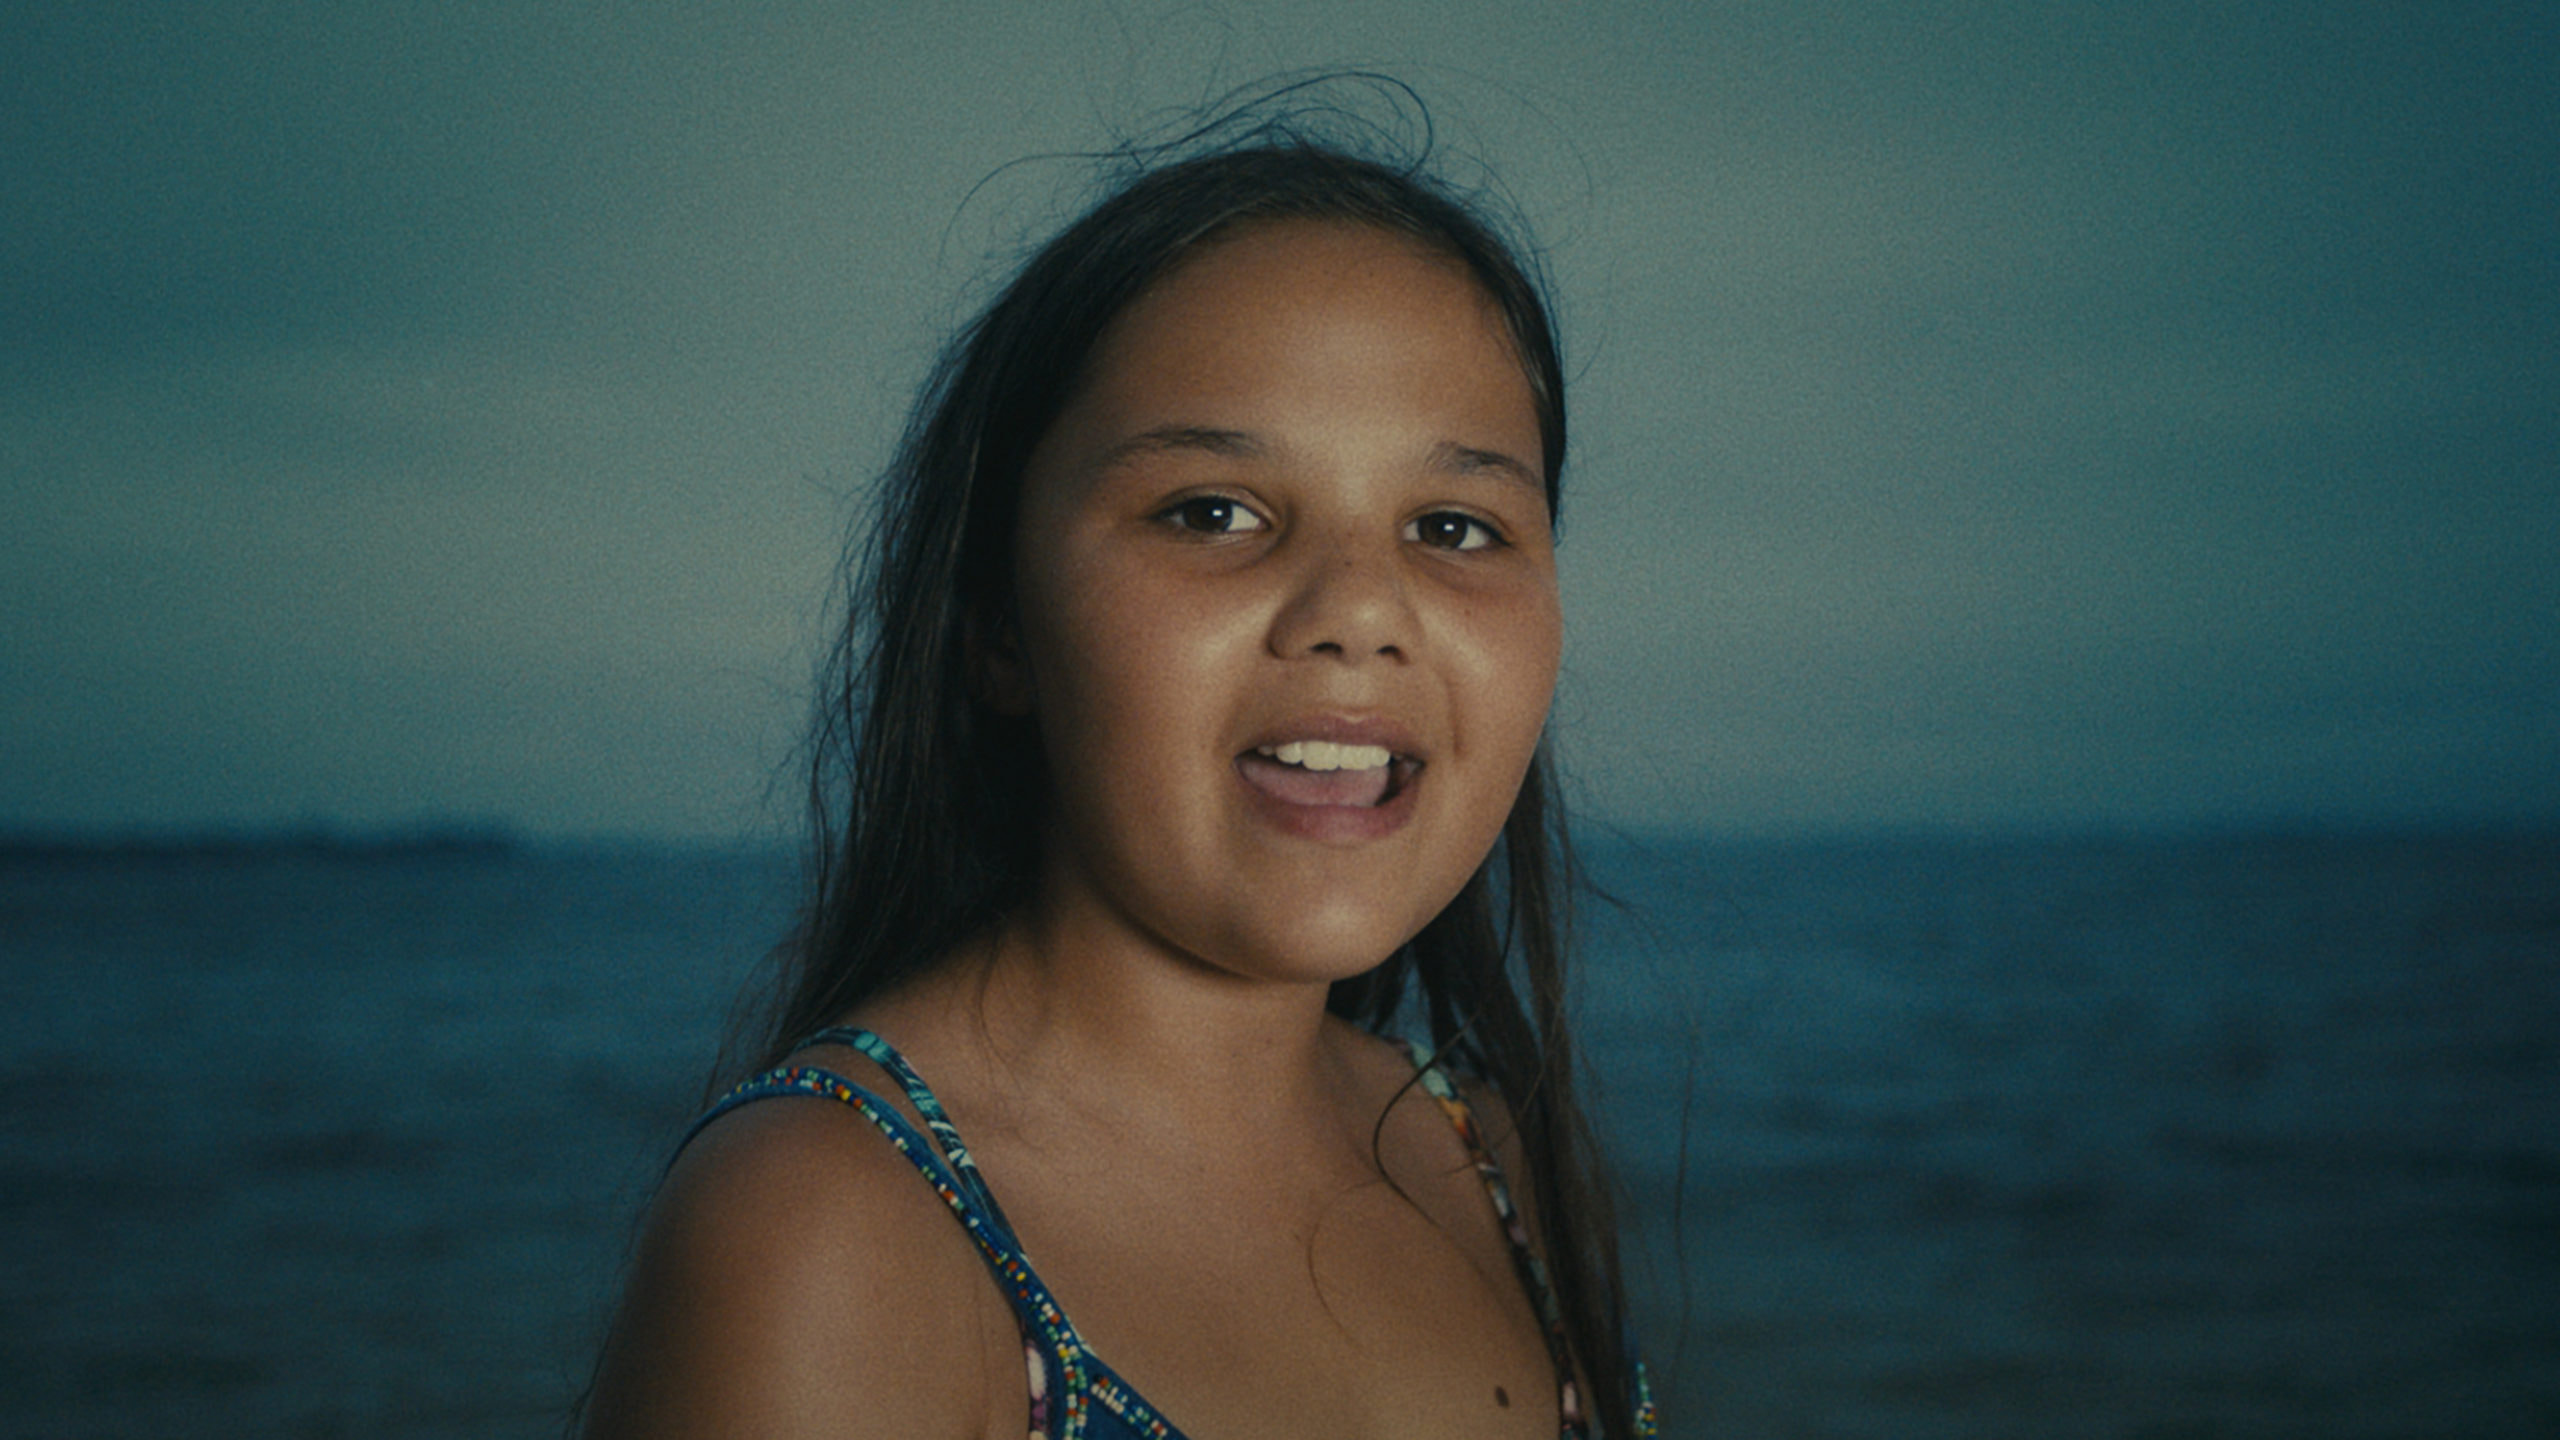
1513,652
1128,677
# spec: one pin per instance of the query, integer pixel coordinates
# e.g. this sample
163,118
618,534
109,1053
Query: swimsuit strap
1058,1363
946,1135
1524,1258
1069,1383
1061,1363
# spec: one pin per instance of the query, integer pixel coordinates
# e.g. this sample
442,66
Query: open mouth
1319,772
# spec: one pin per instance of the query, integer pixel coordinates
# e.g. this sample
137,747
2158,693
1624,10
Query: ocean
2236,1136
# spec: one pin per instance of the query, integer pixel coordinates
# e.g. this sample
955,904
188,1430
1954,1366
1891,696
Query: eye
1211,515
1451,530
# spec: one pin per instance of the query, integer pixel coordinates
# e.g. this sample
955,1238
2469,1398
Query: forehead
1299,308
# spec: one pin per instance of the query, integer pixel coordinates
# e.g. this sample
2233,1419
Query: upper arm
797,1277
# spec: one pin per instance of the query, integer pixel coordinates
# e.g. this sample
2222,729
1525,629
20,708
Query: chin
1327,944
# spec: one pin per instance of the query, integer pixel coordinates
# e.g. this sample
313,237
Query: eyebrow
1238,444
1234,444
1468,460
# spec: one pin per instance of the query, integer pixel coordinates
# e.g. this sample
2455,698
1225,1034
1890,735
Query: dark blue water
2233,1138
2191,1138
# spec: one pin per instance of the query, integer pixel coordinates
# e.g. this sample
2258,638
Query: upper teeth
1325,755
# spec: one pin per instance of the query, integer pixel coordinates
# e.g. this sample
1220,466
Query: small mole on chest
1501,1397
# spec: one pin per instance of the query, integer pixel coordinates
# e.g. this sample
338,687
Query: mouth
1324,773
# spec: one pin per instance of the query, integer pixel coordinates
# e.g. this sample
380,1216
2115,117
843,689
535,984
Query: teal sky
1988,415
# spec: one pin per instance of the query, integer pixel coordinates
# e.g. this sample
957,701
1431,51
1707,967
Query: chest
1342,1308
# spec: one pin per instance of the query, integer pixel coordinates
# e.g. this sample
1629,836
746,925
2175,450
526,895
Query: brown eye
1212,515
1451,530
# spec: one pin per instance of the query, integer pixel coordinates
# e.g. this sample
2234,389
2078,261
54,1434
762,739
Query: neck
1148,1019
1071,1011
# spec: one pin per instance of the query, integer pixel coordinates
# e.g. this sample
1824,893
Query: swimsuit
1074,1396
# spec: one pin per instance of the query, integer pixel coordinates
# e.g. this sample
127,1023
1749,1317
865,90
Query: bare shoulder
798,1277
1393,1066
1420,1120
1490,1126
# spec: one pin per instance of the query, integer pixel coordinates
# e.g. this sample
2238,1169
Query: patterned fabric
1073,1394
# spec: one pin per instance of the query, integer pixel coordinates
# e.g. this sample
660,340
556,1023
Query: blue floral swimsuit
1074,1396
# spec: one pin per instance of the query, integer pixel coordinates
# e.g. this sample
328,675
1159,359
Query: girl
1185,742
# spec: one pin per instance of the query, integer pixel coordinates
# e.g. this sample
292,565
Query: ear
998,678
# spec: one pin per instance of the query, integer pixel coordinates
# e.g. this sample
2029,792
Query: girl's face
1288,616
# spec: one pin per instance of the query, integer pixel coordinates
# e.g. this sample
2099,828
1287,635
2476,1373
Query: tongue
1292,785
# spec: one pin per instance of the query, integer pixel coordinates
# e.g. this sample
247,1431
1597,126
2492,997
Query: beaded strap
1524,1256
1051,1344
1047,1334
945,1134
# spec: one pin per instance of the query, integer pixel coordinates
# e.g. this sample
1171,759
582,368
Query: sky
1986,416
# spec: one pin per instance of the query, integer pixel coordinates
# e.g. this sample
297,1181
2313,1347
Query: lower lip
1334,823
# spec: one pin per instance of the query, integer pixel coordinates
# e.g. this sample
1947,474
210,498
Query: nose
1347,600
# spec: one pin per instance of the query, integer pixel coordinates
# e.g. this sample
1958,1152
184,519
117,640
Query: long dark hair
926,803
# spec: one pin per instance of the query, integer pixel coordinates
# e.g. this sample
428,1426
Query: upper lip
1341,729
